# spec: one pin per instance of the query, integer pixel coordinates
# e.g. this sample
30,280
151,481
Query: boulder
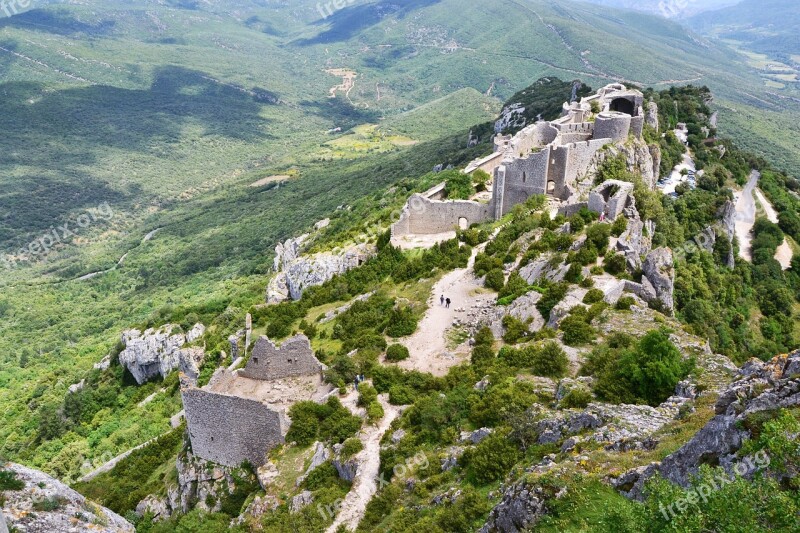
523,308
347,468
23,509
547,266
475,437
157,352
658,278
302,500
521,506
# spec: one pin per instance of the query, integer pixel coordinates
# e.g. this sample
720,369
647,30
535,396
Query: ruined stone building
544,158
241,414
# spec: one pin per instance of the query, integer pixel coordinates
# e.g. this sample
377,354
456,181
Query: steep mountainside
157,151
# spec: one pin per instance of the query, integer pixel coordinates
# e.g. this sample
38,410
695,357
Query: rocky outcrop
304,499
157,352
45,505
651,115
761,387
633,242
658,279
201,485
295,273
321,455
347,467
727,217
520,508
573,298
548,266
640,158
524,309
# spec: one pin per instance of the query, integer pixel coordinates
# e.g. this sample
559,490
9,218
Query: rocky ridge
45,505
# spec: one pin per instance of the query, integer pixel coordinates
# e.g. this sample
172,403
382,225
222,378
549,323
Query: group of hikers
445,301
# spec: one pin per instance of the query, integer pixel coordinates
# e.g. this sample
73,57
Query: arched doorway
463,223
551,187
623,105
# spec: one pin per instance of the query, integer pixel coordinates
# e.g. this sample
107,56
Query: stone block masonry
229,430
294,358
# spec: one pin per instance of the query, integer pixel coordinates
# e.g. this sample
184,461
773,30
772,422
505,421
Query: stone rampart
294,358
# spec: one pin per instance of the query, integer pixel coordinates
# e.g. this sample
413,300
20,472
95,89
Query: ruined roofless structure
543,158
241,415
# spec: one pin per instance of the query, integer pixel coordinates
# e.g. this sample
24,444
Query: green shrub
482,356
492,459
366,394
402,322
550,361
593,296
625,303
646,372
577,331
598,235
577,398
9,481
351,447
615,263
375,412
619,226
401,395
458,186
312,422
495,280
396,353
574,274
515,329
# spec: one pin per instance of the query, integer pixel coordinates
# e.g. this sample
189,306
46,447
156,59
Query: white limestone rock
295,273
72,512
157,352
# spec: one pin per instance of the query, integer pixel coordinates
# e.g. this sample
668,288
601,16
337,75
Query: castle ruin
241,414
547,158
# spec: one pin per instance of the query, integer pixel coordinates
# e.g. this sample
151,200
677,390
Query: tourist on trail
441,300
448,303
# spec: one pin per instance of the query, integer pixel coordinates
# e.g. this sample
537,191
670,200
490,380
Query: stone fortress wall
228,429
549,157
422,215
543,158
241,414
294,358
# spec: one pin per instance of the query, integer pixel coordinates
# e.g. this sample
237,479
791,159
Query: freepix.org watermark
10,8
749,465
327,9
58,235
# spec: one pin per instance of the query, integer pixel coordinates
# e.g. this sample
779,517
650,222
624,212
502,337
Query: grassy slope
151,132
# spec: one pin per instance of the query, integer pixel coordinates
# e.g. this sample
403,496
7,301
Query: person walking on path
448,303
441,300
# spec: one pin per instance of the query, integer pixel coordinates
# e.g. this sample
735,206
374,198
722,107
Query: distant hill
667,8
770,27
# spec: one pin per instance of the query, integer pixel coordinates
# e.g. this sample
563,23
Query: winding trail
784,253
746,215
365,484
746,218
428,345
